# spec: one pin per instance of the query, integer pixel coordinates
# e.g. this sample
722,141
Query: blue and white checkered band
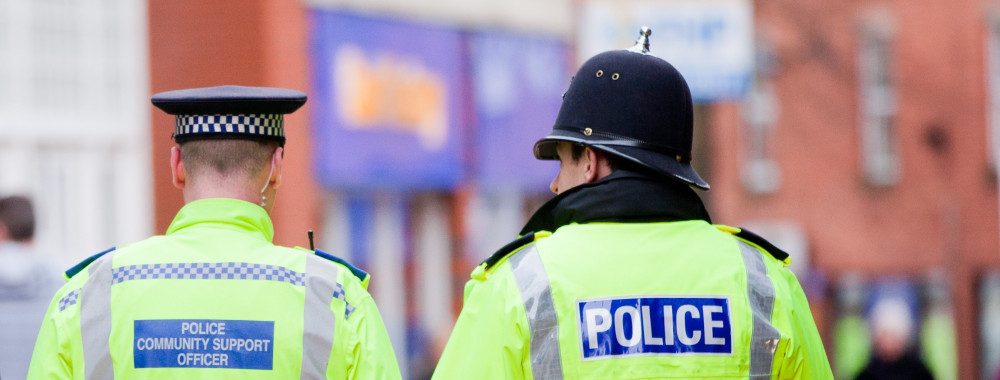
250,125
338,293
69,299
207,271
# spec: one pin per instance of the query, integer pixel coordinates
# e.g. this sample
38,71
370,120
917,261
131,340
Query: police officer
621,275
214,298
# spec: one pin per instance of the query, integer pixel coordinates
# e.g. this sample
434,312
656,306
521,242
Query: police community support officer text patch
203,343
689,325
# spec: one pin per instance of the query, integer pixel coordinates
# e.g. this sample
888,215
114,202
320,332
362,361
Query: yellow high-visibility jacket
213,299
609,296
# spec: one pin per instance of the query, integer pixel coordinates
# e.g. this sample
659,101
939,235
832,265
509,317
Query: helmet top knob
642,43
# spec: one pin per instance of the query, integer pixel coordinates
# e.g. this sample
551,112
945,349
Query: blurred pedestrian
851,341
893,355
622,275
27,281
214,298
938,340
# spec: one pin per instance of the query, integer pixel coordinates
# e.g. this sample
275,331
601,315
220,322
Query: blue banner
203,343
387,103
518,83
655,326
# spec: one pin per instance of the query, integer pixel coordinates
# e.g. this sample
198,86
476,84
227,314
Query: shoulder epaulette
508,249
83,264
775,252
360,274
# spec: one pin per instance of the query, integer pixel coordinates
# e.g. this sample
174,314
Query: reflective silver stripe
536,293
318,321
760,291
95,320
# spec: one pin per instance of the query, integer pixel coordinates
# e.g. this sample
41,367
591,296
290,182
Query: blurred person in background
851,341
893,354
621,274
938,340
213,298
27,281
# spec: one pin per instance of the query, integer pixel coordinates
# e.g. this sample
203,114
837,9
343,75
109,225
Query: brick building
870,128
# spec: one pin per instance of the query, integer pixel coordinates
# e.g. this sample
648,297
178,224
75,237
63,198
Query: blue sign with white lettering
203,343
655,326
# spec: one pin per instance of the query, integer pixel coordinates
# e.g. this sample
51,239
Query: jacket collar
623,197
226,213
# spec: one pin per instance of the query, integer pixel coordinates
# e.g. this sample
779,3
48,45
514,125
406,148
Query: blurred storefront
416,128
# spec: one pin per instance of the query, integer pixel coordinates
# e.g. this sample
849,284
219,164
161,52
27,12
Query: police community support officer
621,275
214,298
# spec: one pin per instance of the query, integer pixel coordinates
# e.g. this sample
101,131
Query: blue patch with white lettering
203,343
613,327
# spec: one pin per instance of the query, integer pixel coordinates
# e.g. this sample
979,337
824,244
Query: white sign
709,41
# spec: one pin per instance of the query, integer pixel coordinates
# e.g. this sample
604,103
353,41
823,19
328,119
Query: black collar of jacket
622,197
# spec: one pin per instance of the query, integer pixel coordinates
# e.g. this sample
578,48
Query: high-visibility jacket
608,296
213,299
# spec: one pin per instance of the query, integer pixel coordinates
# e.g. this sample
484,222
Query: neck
621,197
223,187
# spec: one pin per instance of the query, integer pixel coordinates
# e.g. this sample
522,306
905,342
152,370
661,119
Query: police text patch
203,343
613,327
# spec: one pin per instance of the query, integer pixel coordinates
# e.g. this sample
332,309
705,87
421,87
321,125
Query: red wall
244,42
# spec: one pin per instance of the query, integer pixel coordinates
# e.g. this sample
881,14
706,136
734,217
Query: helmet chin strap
263,198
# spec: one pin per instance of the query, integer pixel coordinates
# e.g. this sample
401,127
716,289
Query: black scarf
622,197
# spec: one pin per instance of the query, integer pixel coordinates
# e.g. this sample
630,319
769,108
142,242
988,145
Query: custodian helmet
630,104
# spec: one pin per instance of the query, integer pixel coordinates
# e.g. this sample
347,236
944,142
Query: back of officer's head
228,130
17,219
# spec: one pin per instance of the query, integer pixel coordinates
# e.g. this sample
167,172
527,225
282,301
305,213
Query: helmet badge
642,43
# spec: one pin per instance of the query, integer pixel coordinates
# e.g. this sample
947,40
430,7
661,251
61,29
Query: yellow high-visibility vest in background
679,299
214,299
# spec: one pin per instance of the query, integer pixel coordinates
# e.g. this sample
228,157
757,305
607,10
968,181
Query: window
879,157
992,50
74,95
760,173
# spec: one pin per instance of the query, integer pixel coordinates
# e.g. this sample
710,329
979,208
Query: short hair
18,215
615,162
226,156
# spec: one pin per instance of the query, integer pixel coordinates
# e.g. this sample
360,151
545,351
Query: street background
860,136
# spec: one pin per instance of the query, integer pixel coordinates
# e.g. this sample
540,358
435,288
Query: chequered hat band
259,125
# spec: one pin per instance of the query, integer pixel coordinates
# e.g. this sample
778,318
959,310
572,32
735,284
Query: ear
591,166
177,168
277,160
